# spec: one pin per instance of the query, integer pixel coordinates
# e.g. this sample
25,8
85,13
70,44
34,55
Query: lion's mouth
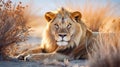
62,43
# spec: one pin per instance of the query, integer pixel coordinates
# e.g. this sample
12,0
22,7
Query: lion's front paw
22,57
28,58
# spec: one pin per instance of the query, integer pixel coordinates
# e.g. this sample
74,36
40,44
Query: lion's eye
56,26
69,26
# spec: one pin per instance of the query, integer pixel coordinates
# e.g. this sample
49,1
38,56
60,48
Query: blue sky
48,5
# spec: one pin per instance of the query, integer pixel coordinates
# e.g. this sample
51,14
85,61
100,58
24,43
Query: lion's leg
48,56
29,52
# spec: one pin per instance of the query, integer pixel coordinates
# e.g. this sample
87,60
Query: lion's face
63,29
63,26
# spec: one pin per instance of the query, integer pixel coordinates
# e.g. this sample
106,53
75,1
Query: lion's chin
62,43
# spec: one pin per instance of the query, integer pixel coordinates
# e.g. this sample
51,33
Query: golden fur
65,36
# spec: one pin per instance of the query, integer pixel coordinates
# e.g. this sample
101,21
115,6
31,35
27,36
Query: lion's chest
66,51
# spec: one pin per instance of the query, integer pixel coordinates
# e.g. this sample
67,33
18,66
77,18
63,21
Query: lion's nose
62,35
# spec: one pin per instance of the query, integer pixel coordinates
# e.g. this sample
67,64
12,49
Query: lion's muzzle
63,39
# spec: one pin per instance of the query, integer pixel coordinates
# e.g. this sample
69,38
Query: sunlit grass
112,26
94,13
105,51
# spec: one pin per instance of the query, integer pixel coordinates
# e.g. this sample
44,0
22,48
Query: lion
65,36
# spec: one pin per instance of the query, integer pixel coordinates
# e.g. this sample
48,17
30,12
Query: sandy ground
75,63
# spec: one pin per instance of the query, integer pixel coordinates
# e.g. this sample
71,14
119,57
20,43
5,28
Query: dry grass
13,28
112,26
94,12
106,51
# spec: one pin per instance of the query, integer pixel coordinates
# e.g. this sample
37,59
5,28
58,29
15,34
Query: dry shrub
13,28
106,51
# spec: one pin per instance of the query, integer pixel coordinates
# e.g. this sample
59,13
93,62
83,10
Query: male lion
65,36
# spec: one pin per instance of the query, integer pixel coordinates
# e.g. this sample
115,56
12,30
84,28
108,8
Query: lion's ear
49,16
76,15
